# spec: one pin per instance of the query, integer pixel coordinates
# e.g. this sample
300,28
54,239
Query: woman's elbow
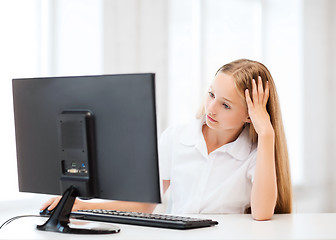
262,215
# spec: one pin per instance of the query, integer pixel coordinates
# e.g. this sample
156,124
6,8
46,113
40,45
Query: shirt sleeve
252,165
165,154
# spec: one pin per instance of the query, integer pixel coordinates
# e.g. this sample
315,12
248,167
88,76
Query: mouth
211,119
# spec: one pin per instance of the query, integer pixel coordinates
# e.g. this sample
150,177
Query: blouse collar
239,149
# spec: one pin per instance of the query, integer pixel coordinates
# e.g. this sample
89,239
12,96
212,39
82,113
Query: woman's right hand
52,203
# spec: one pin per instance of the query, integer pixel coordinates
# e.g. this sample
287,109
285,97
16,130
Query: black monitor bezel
35,97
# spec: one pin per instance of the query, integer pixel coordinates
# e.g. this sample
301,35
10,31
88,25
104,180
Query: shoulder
243,148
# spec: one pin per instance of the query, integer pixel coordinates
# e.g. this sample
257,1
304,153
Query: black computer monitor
87,136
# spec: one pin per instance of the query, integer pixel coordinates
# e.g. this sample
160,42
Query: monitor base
59,219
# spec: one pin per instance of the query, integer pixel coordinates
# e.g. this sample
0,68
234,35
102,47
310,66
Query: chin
211,125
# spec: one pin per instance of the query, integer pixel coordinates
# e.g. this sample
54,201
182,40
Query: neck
216,138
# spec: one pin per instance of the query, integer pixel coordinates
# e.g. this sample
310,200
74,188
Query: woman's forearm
264,189
116,205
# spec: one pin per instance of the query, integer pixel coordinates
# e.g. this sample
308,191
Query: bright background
184,42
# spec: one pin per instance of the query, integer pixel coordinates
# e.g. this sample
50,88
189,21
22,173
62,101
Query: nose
212,108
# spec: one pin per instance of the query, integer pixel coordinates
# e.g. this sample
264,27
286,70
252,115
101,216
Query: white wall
282,52
184,42
19,45
136,40
317,193
78,37
332,25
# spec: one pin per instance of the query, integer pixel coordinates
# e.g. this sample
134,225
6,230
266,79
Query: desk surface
239,226
289,226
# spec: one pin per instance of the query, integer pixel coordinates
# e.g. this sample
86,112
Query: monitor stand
59,219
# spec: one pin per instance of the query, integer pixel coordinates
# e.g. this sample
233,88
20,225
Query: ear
248,120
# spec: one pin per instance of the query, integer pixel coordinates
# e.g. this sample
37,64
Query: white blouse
219,182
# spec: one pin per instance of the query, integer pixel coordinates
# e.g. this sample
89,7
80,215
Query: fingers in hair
255,97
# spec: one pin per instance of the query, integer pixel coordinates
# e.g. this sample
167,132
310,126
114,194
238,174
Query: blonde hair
243,71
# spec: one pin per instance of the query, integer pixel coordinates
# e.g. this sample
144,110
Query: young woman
232,159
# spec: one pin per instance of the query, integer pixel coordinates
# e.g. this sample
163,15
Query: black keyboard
143,219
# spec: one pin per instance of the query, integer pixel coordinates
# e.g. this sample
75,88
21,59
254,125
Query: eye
226,106
211,94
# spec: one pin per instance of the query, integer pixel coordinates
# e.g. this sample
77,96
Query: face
225,109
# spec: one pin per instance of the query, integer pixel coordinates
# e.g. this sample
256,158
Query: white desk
288,226
291,226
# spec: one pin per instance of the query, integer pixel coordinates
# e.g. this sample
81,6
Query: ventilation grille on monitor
72,135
